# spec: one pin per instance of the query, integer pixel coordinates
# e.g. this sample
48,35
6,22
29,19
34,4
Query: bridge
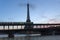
28,27
12,28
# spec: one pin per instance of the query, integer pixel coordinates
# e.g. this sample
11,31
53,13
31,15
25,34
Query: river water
23,37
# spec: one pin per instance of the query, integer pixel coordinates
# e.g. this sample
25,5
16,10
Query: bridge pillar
53,33
10,35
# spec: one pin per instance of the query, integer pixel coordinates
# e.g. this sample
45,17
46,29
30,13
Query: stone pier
10,35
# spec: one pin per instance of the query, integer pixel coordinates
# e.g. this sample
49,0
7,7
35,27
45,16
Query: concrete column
4,27
12,26
36,26
17,26
21,26
8,27
53,33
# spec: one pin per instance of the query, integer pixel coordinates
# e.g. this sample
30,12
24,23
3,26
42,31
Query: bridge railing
44,26
9,27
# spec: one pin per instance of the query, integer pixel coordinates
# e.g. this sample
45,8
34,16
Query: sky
41,11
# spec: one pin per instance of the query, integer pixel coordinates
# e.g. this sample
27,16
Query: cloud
54,20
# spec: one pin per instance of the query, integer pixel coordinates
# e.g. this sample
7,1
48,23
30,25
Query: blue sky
41,11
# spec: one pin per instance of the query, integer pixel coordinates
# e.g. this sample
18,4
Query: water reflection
17,38
28,37
33,38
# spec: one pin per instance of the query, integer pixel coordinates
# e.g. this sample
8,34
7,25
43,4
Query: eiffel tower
28,21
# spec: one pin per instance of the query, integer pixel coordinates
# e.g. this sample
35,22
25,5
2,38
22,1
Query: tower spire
28,15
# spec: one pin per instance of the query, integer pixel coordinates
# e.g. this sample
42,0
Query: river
23,37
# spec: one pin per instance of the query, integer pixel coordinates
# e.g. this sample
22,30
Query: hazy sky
41,11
